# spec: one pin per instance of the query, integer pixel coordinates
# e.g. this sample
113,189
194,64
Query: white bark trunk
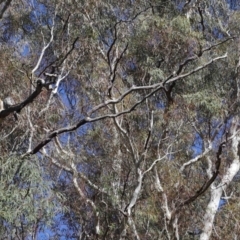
216,192
116,165
210,213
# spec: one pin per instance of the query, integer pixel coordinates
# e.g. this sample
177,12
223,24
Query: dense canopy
119,119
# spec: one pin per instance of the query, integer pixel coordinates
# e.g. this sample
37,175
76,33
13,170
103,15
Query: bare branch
114,69
71,170
197,69
18,107
155,87
206,185
44,49
135,193
193,160
87,200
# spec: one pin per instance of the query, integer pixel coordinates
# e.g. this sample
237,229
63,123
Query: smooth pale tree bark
218,190
171,76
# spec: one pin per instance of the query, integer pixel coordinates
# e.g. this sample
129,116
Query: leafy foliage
127,119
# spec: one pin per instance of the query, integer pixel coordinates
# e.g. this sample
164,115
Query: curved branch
18,107
155,87
206,185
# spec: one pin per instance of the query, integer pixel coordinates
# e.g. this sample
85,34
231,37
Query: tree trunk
217,190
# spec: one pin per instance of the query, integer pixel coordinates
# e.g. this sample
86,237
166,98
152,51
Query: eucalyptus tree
127,113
